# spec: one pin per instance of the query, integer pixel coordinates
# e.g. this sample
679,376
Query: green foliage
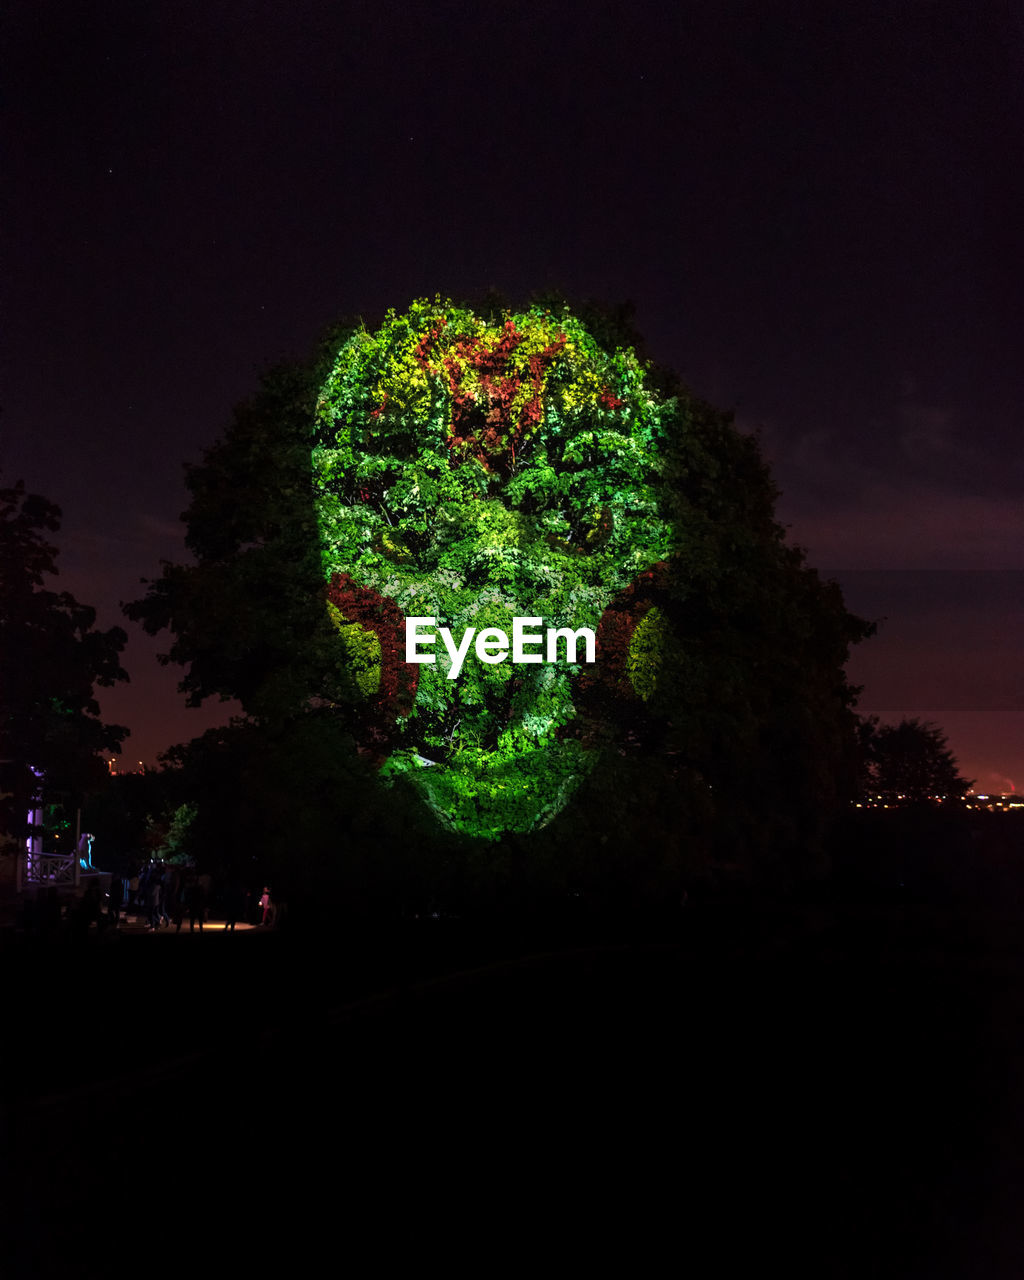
474,471
172,840
52,658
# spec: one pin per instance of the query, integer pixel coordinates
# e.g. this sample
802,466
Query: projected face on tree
474,473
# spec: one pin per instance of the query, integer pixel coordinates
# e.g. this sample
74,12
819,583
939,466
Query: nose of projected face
492,644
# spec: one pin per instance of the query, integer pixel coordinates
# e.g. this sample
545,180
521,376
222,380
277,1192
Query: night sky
816,209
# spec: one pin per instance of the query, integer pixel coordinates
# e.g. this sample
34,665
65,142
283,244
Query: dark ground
837,1088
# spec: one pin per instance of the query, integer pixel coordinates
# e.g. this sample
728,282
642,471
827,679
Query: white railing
49,868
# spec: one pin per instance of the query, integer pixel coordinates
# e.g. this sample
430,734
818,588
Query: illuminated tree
477,468
476,471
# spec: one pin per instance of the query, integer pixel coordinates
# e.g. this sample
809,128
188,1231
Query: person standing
116,898
233,902
196,904
169,889
163,884
266,906
153,901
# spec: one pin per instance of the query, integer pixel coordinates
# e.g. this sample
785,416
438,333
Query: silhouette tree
52,657
909,761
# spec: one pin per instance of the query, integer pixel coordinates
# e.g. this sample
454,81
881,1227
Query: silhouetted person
116,898
178,910
234,901
168,892
196,905
145,874
153,901
266,906
87,910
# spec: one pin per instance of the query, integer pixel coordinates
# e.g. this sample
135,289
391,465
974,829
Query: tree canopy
476,466
910,761
52,658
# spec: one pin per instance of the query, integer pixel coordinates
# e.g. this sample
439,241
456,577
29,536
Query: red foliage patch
605,698
615,633
483,425
398,678
609,400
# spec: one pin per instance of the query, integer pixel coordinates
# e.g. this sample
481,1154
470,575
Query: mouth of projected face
488,793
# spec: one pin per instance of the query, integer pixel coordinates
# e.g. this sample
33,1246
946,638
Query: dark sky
816,209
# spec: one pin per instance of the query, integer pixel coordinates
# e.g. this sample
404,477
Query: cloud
907,491
927,436
911,446
892,527
154,527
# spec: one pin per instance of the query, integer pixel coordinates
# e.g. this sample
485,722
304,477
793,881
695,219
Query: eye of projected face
477,472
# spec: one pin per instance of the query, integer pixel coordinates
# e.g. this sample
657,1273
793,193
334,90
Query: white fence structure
46,869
